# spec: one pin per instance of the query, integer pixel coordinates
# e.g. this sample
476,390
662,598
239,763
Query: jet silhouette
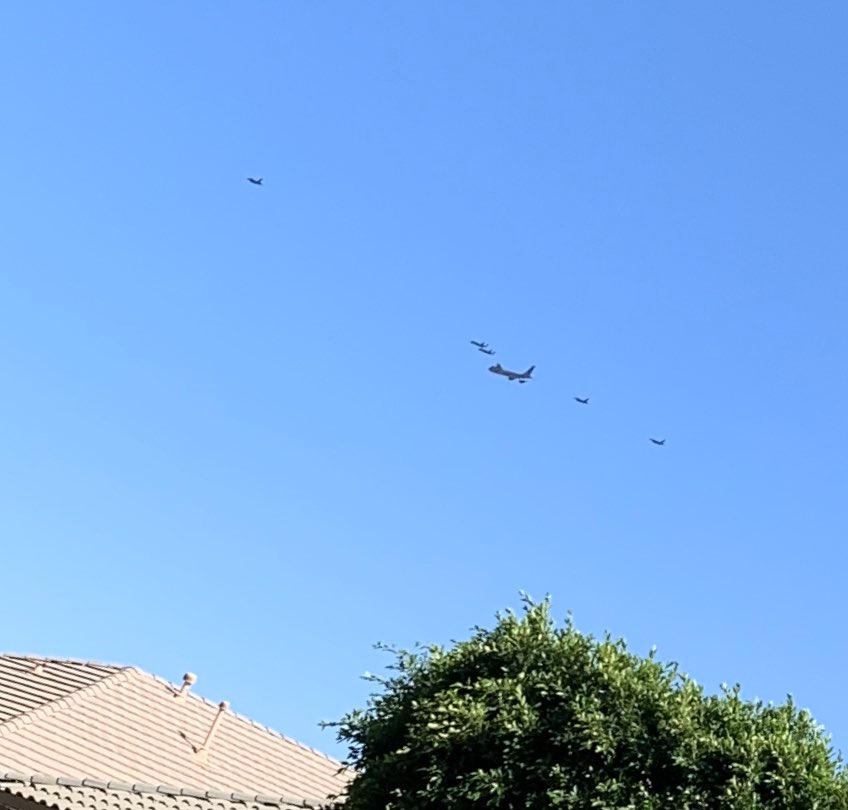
582,401
486,351
479,344
522,377
255,181
658,441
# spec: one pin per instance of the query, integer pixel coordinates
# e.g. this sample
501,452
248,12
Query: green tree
532,715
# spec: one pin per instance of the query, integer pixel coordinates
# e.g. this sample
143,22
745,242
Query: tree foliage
531,715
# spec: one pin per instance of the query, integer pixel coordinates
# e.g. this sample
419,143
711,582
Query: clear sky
243,430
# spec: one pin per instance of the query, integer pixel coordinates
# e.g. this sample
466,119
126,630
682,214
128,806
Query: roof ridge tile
67,781
265,798
115,784
218,794
140,788
95,783
41,779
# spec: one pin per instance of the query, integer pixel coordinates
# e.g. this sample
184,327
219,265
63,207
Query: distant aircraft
582,401
512,375
255,181
479,345
658,441
486,351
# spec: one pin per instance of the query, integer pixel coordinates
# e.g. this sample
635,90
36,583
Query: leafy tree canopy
532,715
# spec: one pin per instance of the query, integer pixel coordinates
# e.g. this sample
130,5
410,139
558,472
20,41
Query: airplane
256,182
479,344
658,441
512,375
486,351
582,401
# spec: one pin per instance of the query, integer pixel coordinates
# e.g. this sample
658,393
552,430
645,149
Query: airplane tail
529,370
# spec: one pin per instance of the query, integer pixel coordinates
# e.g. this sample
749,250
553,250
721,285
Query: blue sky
243,430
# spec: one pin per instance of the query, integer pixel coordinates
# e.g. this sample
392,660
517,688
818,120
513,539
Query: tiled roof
125,725
77,794
27,683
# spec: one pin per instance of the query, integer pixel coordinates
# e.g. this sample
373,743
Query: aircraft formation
521,377
525,376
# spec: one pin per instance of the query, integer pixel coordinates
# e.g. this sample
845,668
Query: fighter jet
479,344
582,401
512,375
486,351
257,181
658,441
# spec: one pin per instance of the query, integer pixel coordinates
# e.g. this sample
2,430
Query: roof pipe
188,680
204,748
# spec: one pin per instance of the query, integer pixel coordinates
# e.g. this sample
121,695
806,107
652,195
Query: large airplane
486,351
658,441
512,375
255,181
480,344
